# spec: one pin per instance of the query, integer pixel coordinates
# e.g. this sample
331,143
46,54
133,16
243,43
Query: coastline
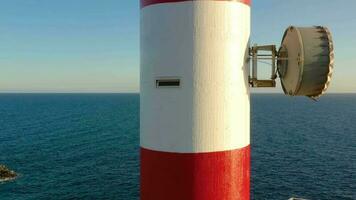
7,179
6,174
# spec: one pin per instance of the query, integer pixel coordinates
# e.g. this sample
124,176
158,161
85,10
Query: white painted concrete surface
203,43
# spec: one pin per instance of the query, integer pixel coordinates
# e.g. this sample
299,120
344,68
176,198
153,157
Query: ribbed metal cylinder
310,62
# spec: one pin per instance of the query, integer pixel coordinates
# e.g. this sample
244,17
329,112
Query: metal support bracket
253,80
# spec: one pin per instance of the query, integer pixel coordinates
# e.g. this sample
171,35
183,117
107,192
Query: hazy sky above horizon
93,45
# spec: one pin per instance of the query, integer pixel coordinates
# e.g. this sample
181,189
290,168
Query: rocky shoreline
6,174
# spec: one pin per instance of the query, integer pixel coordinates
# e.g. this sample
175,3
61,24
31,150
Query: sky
93,45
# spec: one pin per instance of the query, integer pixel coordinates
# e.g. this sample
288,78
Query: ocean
86,146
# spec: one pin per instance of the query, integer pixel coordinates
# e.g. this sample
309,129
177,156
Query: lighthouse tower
195,100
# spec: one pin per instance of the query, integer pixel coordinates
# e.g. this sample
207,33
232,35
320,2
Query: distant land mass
6,174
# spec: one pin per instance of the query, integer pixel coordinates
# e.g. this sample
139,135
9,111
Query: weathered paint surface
206,176
195,137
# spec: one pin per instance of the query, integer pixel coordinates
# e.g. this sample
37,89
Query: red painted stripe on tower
145,3
194,176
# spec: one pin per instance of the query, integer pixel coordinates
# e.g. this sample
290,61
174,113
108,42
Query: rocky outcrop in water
6,174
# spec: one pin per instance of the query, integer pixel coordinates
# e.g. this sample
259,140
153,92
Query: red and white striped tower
195,126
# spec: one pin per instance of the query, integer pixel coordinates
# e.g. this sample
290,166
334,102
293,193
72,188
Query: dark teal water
85,146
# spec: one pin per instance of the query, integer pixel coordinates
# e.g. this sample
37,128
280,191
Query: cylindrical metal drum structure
195,100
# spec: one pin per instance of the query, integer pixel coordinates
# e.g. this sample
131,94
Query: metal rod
254,62
273,62
265,55
275,58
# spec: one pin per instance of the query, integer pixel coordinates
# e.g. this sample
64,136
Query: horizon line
279,93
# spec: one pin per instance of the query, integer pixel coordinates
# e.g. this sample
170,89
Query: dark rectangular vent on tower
167,82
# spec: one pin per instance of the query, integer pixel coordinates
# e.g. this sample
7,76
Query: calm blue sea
85,146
